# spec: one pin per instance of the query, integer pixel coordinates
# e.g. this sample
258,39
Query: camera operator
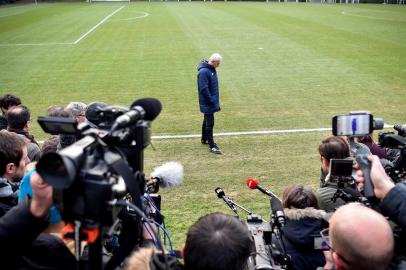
215,242
360,239
393,197
303,221
333,147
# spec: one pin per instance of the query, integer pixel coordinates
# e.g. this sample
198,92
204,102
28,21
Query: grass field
285,66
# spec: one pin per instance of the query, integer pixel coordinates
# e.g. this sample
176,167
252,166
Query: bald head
361,238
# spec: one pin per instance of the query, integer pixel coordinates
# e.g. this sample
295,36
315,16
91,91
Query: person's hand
41,196
382,182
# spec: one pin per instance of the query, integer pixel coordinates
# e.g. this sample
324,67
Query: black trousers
207,127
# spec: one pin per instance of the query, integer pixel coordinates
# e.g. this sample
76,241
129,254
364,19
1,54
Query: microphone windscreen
170,174
252,183
151,106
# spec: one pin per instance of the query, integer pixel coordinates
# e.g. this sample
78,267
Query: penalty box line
67,43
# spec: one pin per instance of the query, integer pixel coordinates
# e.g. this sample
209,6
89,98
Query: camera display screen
58,125
341,167
352,125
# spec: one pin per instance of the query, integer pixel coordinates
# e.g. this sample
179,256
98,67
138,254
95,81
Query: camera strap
132,181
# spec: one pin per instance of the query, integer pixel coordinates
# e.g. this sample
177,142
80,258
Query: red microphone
277,209
254,184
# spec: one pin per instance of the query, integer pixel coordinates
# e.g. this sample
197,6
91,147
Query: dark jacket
8,195
3,122
34,152
18,229
300,227
394,205
48,252
209,98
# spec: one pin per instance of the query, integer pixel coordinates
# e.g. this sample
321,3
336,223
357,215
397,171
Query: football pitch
286,66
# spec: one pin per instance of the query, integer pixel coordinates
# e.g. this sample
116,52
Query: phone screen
321,243
352,125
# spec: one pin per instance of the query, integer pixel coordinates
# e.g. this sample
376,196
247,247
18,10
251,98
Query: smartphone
353,124
321,243
57,125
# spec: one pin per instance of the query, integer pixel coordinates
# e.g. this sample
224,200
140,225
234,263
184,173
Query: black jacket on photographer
301,225
394,205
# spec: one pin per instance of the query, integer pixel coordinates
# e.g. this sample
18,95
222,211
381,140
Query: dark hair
18,117
217,242
334,147
300,197
57,111
11,149
9,100
50,145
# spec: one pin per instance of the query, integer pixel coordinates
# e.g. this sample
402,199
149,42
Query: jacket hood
204,64
301,225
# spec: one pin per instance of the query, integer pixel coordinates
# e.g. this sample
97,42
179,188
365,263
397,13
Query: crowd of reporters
359,237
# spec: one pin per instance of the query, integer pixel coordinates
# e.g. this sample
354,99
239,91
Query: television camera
92,176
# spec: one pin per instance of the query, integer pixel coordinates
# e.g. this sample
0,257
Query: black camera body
396,169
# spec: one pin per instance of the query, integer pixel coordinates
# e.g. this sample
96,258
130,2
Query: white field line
145,14
244,133
97,25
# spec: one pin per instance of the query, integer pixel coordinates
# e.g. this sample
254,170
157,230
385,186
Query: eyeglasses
325,243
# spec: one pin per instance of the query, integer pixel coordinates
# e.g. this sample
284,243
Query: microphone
145,108
169,174
277,209
220,193
152,107
254,184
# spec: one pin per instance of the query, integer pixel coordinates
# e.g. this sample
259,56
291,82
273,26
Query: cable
147,222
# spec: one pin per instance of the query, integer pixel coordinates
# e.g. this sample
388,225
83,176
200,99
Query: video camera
105,164
397,145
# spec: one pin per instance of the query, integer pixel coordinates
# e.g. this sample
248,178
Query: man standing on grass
209,99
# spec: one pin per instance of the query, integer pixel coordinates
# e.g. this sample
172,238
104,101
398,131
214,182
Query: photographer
393,203
303,221
360,239
332,147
